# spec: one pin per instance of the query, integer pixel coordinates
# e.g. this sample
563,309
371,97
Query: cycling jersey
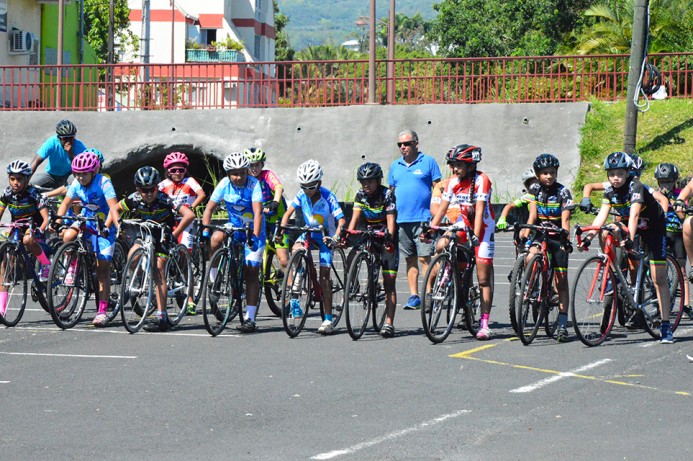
269,182
674,224
181,193
550,201
24,204
161,210
239,200
326,212
634,192
375,208
59,161
453,212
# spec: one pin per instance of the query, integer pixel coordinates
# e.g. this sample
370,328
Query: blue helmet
616,160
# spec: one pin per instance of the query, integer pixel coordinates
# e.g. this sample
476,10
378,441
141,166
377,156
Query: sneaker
387,331
413,303
326,328
667,335
483,333
295,306
562,335
248,326
45,270
688,311
191,309
690,275
158,325
101,320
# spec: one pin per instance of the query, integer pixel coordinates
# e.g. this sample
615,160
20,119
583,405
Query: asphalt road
105,394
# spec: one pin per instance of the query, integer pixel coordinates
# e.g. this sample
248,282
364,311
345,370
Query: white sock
251,312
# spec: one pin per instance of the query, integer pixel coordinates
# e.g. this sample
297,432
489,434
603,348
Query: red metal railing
330,83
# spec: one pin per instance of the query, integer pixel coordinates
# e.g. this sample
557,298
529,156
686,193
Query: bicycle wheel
471,300
297,294
515,286
592,305
199,269
440,300
338,272
273,280
530,305
379,302
137,290
648,297
359,296
120,256
218,298
14,283
68,286
179,283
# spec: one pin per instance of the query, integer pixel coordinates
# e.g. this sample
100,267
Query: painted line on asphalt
4,382
558,377
79,356
679,331
123,332
390,436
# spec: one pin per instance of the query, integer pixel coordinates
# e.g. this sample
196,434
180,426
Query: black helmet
666,172
651,79
147,176
65,129
545,161
616,160
463,153
369,170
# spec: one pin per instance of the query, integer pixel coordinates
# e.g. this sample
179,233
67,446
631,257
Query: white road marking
123,332
79,356
4,382
679,331
558,377
390,436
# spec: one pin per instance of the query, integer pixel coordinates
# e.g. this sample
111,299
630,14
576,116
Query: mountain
314,22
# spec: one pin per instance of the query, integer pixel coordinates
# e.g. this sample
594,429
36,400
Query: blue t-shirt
326,211
239,200
59,161
98,192
413,184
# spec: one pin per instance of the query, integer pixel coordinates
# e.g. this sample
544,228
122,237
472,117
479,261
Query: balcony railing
192,55
213,85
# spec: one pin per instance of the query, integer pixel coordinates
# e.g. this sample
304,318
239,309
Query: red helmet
86,162
463,153
176,157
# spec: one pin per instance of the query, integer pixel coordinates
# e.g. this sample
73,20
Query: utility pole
59,58
371,56
637,54
111,55
391,55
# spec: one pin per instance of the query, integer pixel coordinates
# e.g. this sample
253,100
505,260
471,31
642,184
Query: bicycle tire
532,298
439,307
137,290
199,267
218,299
552,310
272,282
358,301
514,291
179,283
15,283
590,311
379,297
338,274
471,300
301,290
648,294
67,301
118,262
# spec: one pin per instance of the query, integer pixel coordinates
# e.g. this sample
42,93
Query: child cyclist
24,201
680,206
148,203
528,179
183,190
95,190
472,190
642,215
319,206
243,197
551,204
374,206
273,202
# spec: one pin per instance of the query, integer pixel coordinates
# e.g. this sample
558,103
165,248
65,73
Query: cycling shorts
325,251
559,257
487,244
675,245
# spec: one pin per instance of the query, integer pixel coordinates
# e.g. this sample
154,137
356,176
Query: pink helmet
86,162
176,157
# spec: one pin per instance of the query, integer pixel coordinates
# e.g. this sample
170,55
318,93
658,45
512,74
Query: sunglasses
66,138
311,186
147,190
405,143
177,170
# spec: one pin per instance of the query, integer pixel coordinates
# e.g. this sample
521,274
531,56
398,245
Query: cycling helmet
616,160
147,176
666,172
19,167
235,161
463,153
65,129
309,172
545,161
528,176
176,157
86,162
651,79
97,152
255,154
638,164
369,170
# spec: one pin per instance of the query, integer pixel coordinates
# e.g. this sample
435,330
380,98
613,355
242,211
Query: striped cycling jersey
24,204
375,208
161,210
550,201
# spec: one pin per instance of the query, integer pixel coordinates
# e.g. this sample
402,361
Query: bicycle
364,291
67,301
138,287
450,285
224,295
307,289
515,275
198,257
537,302
17,269
593,305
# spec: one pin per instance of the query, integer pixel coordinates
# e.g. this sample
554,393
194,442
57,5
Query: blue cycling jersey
239,200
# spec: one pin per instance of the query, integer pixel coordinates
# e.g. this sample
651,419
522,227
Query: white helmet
309,172
236,161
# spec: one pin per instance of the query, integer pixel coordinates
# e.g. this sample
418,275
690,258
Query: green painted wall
49,35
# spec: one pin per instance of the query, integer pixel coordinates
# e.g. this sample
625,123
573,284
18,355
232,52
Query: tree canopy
96,18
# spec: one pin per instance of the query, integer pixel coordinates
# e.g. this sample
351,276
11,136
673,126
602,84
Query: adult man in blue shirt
59,150
412,178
